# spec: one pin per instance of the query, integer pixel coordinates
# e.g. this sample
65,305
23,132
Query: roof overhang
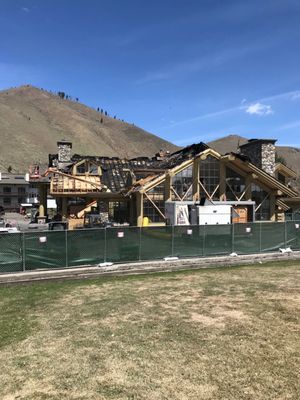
279,167
261,175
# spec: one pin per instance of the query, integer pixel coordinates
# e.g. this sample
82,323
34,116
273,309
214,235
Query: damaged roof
120,174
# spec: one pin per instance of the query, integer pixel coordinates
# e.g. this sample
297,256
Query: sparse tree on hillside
101,110
9,169
101,120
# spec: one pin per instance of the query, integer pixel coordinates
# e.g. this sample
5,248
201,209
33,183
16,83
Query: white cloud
277,97
296,95
25,9
259,109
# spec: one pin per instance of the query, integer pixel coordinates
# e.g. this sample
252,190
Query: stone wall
268,158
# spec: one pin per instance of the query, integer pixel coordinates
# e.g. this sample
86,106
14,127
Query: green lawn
229,333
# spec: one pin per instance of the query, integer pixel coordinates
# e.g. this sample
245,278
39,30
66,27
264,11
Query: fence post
203,242
140,243
23,252
66,248
232,238
260,237
285,234
172,238
105,249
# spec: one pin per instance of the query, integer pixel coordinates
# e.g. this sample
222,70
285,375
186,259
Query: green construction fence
61,249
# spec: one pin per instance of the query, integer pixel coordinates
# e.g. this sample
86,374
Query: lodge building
136,190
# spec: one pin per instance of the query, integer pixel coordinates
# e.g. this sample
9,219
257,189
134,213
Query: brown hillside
227,144
32,120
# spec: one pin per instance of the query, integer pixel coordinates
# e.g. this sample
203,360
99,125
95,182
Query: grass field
209,334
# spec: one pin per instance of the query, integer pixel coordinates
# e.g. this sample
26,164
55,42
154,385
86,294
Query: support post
139,209
222,188
168,183
248,190
64,208
196,177
272,207
43,202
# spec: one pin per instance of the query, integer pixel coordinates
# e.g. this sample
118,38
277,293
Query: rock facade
268,152
64,151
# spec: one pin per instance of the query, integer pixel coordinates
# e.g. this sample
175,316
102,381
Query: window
119,211
6,189
7,201
182,184
157,197
210,177
235,184
281,178
21,190
81,169
260,196
87,167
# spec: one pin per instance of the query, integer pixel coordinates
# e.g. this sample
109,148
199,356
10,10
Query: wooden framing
89,185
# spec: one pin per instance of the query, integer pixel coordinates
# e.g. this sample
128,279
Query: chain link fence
60,249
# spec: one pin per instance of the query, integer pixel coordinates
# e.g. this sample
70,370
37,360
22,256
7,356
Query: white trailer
213,215
177,212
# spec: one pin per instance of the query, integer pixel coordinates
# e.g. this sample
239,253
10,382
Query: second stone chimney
261,153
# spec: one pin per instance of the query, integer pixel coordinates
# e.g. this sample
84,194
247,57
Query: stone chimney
64,152
261,153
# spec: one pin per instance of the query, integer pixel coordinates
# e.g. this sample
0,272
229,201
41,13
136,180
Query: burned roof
119,174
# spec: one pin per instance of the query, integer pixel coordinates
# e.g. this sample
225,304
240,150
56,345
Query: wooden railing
62,183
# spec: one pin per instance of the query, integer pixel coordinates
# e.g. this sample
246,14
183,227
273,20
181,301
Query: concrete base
90,271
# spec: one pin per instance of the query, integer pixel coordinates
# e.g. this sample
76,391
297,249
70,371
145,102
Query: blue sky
186,70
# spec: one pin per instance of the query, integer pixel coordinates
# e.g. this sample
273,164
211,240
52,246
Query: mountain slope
33,120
